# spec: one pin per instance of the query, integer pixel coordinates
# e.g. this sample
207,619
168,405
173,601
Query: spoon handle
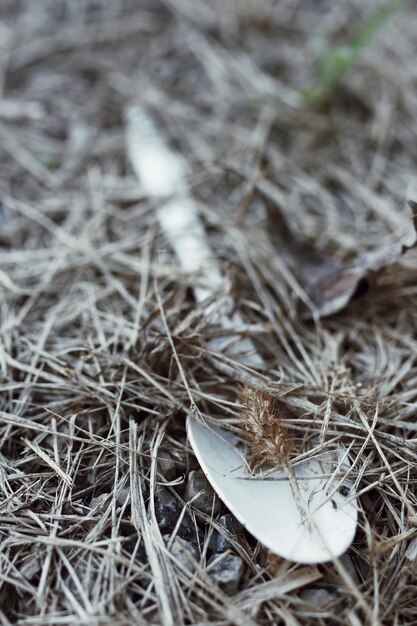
163,174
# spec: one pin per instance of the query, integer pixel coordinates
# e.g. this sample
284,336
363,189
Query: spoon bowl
266,507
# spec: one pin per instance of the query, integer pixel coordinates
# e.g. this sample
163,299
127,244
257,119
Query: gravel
227,572
200,494
232,528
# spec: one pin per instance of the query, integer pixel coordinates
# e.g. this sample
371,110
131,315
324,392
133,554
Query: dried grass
91,396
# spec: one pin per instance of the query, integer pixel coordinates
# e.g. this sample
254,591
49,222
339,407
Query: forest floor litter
106,517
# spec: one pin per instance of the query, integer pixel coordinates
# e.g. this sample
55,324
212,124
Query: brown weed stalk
267,436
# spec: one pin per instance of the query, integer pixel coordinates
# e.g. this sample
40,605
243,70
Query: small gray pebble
318,598
228,572
218,543
100,503
181,550
201,493
122,495
167,509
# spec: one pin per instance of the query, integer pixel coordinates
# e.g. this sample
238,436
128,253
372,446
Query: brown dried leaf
330,283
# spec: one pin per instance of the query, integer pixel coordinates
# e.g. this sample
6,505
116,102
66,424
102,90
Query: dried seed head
267,436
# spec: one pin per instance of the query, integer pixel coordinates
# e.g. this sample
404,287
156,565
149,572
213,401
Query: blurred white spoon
265,506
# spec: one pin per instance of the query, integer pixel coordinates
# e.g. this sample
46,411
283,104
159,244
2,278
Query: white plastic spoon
264,505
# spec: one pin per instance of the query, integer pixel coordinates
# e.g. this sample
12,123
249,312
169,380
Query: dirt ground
96,475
